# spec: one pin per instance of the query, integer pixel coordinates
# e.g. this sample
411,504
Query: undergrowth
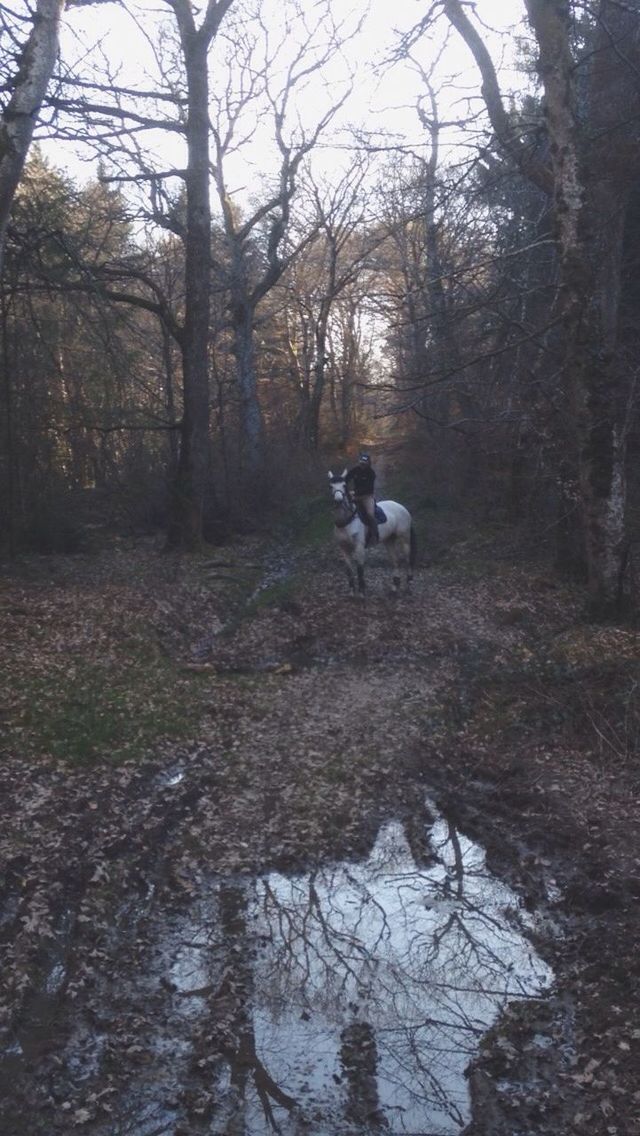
112,711
580,701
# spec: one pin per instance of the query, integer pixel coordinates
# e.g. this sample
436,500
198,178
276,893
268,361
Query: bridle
342,501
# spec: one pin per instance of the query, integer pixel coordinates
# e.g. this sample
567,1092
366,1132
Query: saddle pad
381,516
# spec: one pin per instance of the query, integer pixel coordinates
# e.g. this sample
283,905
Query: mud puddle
345,1000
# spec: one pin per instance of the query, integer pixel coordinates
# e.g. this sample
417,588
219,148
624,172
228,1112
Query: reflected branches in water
345,1001
372,983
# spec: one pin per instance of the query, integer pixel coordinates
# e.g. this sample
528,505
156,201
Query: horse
396,533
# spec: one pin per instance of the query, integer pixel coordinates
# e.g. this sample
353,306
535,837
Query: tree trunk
169,397
193,503
21,112
11,460
319,369
193,478
359,1062
251,414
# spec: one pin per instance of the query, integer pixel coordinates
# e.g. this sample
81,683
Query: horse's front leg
353,557
351,575
359,556
359,575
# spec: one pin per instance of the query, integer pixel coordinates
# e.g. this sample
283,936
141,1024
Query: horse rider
360,481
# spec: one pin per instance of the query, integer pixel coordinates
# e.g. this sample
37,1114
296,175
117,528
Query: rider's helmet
364,458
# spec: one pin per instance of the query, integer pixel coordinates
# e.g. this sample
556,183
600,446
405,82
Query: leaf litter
312,721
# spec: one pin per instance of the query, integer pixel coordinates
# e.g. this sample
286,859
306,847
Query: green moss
112,712
274,595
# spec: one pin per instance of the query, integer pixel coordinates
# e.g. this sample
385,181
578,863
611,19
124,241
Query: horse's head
338,488
343,508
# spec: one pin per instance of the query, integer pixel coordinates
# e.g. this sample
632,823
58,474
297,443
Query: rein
343,506
347,521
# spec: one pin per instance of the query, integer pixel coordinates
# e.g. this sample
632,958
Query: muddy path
183,935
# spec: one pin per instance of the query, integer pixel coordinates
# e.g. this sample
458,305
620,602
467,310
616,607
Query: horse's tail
413,547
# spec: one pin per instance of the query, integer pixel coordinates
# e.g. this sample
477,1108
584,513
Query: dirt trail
322,719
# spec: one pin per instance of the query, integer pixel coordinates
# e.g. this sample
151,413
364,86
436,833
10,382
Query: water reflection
351,999
346,1001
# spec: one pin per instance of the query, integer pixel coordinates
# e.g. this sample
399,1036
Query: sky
383,97
390,93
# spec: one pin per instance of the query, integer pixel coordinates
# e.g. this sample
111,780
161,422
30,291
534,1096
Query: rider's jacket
361,480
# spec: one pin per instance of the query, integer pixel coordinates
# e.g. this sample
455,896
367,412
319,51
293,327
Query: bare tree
260,83
116,121
193,481
260,243
329,268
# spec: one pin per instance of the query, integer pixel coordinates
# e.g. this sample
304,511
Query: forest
190,341
241,242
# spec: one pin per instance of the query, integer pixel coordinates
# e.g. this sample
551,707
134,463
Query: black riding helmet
364,458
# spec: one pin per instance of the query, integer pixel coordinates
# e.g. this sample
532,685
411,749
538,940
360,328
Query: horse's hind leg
360,571
391,545
405,558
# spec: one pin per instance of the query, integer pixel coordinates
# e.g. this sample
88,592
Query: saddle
379,513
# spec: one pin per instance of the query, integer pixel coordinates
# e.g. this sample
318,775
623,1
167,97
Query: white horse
396,533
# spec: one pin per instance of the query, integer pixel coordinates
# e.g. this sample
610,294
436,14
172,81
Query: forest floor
171,719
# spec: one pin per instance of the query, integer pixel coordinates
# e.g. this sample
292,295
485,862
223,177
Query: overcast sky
384,94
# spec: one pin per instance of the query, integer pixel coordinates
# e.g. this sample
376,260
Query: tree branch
503,128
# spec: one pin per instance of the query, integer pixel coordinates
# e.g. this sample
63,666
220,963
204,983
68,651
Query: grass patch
106,712
95,654
277,594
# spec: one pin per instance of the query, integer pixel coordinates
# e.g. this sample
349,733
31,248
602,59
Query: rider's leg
368,505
